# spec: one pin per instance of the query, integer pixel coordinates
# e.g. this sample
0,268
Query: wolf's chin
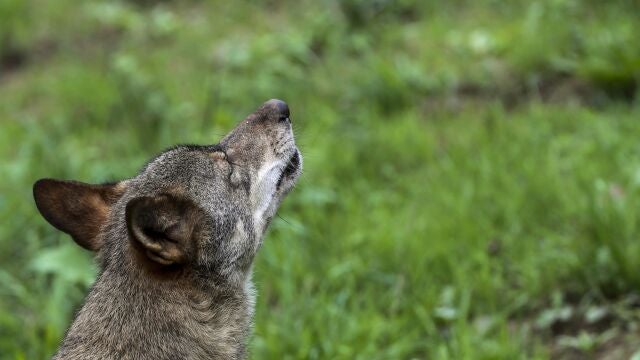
290,172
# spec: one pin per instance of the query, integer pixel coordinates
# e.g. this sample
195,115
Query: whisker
283,219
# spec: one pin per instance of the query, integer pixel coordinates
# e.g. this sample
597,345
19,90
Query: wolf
175,244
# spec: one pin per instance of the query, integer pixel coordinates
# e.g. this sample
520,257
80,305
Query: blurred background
472,168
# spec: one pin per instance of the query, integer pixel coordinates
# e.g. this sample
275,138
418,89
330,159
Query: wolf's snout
278,109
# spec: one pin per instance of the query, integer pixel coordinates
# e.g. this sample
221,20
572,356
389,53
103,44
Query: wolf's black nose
279,107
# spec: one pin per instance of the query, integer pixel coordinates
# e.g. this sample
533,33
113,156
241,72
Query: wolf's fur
175,244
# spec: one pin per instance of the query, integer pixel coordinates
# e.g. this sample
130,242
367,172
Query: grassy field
472,168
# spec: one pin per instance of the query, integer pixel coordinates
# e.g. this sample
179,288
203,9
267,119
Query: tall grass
468,166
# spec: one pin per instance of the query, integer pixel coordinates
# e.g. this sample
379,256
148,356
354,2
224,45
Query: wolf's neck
137,316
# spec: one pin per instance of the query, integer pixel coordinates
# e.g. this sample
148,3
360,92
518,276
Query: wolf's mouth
290,169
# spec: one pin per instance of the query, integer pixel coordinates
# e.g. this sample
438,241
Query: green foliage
14,19
466,164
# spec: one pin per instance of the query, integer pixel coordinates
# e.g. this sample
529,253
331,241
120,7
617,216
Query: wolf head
202,208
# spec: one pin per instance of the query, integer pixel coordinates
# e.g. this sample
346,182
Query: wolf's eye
218,155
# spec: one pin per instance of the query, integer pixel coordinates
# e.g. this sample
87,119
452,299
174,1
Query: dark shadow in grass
550,89
586,329
12,59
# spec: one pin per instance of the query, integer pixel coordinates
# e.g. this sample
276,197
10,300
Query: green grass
471,169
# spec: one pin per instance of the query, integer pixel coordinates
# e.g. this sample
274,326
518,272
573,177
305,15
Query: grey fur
199,308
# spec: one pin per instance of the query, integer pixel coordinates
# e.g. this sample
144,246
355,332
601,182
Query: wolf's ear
164,227
76,208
